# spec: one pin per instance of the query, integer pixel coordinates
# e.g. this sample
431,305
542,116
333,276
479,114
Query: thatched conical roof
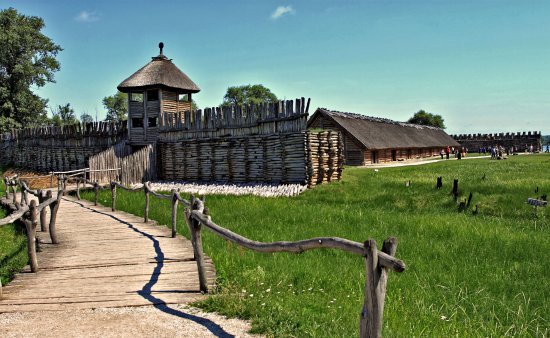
160,72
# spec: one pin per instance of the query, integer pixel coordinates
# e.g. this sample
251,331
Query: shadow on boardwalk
158,303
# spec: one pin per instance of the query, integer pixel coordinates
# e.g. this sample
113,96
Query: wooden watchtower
158,87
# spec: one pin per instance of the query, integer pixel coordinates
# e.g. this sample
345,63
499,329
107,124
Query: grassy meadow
468,275
13,246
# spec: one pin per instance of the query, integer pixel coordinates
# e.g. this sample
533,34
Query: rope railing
378,262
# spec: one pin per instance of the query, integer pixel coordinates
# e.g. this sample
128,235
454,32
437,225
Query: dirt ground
145,321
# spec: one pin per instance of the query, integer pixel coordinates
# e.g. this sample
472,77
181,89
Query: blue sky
483,65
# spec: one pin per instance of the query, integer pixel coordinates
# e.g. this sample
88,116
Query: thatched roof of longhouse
160,72
380,133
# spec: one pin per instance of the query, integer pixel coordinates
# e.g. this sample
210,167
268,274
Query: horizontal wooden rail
377,263
28,213
343,244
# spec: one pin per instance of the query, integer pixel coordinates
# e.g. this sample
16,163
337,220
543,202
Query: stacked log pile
59,148
307,158
259,158
325,157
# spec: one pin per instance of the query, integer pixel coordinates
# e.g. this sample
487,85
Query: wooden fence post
64,185
42,198
30,225
96,192
7,186
78,189
51,180
196,240
439,182
174,212
113,196
455,189
0,289
24,196
375,289
14,187
146,212
53,216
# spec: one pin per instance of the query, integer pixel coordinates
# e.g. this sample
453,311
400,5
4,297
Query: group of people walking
458,152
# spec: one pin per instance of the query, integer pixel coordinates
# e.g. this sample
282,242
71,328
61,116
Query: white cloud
86,16
282,10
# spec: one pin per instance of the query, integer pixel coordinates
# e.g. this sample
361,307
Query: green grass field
467,275
13,247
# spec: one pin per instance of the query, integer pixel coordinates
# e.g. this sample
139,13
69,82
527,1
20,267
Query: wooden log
174,212
54,207
455,189
197,206
78,189
30,226
298,246
96,192
43,213
146,211
113,196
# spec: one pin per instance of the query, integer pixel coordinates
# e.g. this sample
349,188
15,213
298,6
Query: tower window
183,97
152,95
136,97
137,122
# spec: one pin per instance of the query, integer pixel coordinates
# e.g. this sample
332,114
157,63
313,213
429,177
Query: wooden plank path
106,259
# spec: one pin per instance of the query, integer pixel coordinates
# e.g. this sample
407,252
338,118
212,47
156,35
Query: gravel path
145,321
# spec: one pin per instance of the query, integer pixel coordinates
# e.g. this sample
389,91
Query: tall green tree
117,107
247,94
64,115
27,59
86,118
427,119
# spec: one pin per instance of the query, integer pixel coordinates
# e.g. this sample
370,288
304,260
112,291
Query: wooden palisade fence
378,262
31,213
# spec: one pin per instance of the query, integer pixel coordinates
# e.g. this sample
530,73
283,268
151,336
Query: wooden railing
30,213
378,262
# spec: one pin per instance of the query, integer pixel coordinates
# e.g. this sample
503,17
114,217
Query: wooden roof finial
161,46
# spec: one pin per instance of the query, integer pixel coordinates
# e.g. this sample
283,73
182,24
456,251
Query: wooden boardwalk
106,259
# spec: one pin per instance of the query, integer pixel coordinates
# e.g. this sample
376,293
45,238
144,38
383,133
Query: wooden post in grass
0,288
146,212
439,182
113,196
43,215
30,225
174,212
53,216
469,200
96,192
375,289
196,239
455,189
